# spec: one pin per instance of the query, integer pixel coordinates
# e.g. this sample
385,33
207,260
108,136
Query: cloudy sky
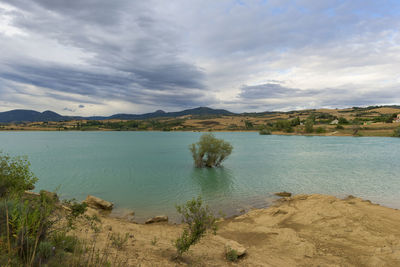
100,57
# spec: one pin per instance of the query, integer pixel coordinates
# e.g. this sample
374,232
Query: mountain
20,115
200,111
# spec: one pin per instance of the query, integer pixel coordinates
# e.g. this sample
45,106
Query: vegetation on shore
198,219
370,121
35,229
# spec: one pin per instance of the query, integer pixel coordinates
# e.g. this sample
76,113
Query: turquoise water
150,172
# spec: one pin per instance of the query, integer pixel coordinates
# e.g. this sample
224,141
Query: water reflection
213,182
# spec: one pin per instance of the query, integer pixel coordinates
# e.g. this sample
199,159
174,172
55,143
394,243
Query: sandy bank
305,230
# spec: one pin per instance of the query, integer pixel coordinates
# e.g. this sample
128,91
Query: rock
161,218
233,245
98,203
283,194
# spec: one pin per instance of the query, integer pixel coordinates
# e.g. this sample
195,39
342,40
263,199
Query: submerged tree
210,151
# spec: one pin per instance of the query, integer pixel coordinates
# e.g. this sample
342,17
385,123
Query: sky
101,57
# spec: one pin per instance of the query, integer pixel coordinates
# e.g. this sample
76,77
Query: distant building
334,122
397,119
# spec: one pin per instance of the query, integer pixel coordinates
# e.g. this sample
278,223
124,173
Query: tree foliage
309,126
396,132
210,151
15,175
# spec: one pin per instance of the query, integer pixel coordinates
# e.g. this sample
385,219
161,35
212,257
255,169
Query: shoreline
303,230
328,134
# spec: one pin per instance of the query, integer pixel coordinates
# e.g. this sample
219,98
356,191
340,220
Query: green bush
396,132
339,127
320,130
309,126
199,219
64,242
210,151
15,175
264,132
231,255
248,125
45,250
343,120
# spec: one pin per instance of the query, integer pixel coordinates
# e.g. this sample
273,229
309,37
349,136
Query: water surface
150,172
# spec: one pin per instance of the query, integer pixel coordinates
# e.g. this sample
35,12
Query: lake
151,172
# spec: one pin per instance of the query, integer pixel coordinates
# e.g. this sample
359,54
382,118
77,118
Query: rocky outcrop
161,218
98,203
283,194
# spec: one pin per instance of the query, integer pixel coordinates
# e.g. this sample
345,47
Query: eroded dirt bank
304,230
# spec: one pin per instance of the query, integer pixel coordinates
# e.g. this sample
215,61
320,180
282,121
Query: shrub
320,130
309,126
339,127
295,121
45,250
396,132
248,125
264,132
210,151
231,255
15,175
283,125
64,242
343,121
198,219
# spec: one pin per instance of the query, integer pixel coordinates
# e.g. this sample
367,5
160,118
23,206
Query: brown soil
304,230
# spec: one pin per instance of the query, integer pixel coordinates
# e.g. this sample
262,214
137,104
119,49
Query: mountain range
21,115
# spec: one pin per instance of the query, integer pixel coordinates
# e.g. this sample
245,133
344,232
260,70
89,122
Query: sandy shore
304,230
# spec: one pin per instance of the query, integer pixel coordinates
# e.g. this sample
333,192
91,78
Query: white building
397,119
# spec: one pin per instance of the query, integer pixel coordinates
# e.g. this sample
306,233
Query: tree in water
210,151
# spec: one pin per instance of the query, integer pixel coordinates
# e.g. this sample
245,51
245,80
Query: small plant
199,219
264,132
339,127
210,151
154,241
231,255
118,241
64,242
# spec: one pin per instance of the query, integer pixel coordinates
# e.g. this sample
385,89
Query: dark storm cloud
175,54
132,54
168,89
273,90
274,96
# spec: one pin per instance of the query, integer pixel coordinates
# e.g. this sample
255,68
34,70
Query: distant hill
20,115
200,111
